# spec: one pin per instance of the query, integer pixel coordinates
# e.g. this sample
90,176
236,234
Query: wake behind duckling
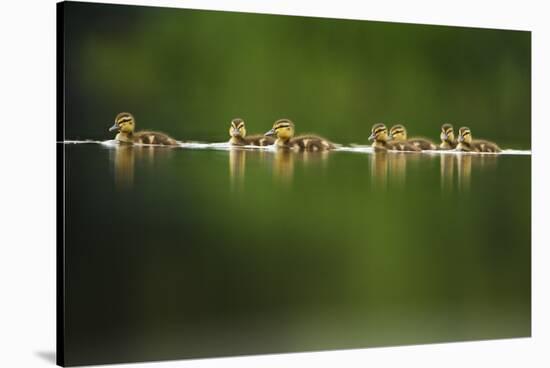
226,146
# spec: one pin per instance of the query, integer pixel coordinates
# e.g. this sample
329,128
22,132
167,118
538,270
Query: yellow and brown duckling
283,131
447,136
467,144
398,134
237,132
125,124
382,141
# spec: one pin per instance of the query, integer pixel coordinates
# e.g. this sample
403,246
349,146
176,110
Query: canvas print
234,184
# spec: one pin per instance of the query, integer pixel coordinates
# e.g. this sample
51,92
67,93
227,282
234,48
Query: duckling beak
460,138
443,136
114,127
371,137
235,132
270,133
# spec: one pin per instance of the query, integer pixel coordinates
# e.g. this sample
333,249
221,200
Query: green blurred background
188,72
178,253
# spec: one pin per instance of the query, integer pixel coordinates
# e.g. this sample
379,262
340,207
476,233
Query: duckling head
124,123
282,129
465,135
379,133
447,134
398,133
237,128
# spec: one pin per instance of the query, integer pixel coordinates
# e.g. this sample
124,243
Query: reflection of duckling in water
464,163
467,144
447,136
124,166
379,168
125,125
398,133
237,132
237,166
283,130
283,165
447,164
381,141
397,164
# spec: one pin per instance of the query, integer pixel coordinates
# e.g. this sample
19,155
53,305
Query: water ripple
225,146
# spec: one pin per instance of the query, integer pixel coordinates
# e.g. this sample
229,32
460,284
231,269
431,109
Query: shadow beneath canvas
48,356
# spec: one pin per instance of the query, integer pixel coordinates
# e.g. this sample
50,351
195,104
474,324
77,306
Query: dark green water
178,253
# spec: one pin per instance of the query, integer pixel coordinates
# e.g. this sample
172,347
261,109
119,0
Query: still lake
193,252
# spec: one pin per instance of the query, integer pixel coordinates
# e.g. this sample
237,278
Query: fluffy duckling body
447,136
381,141
237,132
398,134
467,144
283,130
125,125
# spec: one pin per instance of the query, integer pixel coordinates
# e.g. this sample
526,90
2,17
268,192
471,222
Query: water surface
184,252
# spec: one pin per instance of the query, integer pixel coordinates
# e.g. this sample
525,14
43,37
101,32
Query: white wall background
27,181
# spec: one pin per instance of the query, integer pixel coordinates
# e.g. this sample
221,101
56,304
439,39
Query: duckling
398,133
125,125
283,129
448,141
237,132
379,134
467,144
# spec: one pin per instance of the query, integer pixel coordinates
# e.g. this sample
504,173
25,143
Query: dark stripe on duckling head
124,120
378,128
446,128
123,115
282,123
396,129
464,131
237,123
